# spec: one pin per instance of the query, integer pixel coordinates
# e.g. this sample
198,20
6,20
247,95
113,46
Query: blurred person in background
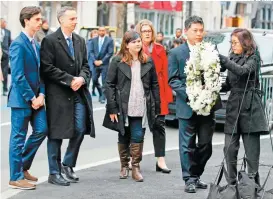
131,92
160,40
101,51
93,34
158,54
176,43
5,44
44,31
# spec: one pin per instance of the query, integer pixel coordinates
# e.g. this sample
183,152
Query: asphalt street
98,166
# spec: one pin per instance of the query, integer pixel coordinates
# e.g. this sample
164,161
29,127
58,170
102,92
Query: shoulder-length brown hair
124,53
146,22
246,40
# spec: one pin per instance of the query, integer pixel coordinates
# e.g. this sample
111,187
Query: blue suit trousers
22,152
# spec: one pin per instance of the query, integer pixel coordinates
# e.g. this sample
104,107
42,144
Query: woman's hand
114,117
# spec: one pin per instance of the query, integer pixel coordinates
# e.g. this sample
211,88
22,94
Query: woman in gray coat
244,112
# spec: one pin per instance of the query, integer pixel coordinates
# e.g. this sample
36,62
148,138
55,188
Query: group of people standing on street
137,87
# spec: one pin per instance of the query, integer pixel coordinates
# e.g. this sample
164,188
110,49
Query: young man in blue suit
193,156
26,99
101,50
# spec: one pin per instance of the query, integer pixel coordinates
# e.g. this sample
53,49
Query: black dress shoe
70,174
190,188
201,185
166,170
58,179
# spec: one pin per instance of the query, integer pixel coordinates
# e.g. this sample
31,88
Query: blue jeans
21,153
72,151
134,133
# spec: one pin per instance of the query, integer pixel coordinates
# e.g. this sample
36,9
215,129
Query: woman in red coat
158,54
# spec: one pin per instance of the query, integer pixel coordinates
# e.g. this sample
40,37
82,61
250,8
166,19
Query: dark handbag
222,192
115,126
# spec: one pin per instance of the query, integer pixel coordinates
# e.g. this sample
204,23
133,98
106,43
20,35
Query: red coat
161,65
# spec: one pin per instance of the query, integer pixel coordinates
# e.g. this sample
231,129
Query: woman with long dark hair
245,99
132,91
158,54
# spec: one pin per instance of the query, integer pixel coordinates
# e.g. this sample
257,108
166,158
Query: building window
263,25
269,14
263,11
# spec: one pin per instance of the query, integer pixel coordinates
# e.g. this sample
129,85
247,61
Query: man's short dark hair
177,41
27,13
161,33
193,19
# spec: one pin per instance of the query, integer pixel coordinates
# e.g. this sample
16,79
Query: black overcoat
243,72
58,69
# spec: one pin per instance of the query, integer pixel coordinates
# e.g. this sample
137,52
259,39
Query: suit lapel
186,51
63,43
29,45
145,68
77,47
96,44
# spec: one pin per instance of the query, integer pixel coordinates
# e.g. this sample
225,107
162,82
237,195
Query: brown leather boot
136,152
124,160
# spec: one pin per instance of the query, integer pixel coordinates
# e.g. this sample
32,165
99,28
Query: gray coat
243,72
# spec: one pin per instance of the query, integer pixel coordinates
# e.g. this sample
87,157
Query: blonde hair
92,32
146,22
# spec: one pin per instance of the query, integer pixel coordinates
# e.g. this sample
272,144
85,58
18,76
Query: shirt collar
65,36
190,46
101,38
29,38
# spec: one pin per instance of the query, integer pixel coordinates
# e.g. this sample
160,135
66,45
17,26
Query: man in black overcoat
66,73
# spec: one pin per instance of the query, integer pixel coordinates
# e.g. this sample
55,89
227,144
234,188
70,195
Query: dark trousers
5,72
72,151
194,156
102,70
159,136
134,133
252,150
21,153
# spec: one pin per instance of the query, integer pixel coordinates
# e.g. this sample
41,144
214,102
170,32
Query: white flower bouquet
203,78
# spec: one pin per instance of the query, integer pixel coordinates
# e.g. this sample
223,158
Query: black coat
252,116
58,69
119,77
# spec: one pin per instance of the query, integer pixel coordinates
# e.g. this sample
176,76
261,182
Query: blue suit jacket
177,59
25,77
107,50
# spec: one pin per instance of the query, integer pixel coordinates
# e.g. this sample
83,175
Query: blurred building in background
165,15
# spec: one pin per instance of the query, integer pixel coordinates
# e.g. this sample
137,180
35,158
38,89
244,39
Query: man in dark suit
5,44
101,51
26,99
66,73
193,156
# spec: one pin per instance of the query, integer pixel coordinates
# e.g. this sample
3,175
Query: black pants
5,71
194,156
159,136
252,150
102,70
